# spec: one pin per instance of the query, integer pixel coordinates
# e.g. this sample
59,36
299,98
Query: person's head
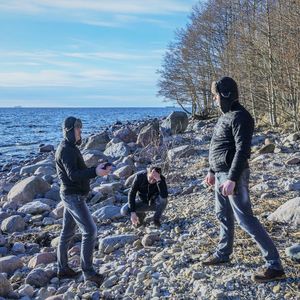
225,92
72,130
151,173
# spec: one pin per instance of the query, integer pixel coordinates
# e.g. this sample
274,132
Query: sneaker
267,275
96,278
67,273
214,261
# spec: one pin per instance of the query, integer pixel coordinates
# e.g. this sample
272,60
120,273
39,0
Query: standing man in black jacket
75,177
152,190
229,152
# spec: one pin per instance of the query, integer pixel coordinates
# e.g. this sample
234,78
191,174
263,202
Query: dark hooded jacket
230,146
71,169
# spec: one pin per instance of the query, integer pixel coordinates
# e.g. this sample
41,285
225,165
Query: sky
85,53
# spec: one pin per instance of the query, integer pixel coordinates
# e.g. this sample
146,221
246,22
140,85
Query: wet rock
288,212
24,191
35,207
9,264
13,224
46,148
175,123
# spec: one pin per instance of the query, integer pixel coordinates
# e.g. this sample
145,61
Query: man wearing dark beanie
74,177
229,152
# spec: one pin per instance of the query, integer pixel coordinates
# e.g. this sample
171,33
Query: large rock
293,252
108,188
180,152
42,171
289,212
53,194
269,148
176,122
92,159
109,212
30,169
25,190
124,172
149,134
9,264
39,277
58,212
126,135
35,207
97,141
5,287
13,224
117,150
111,243
42,258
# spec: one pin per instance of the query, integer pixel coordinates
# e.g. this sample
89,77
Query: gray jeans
158,206
77,212
238,206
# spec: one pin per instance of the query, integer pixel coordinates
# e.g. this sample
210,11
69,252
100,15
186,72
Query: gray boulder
109,212
5,287
9,264
117,150
180,152
149,134
35,207
126,135
39,277
13,224
176,122
111,243
25,190
293,252
97,141
289,212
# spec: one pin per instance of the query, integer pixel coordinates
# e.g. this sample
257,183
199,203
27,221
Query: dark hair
157,169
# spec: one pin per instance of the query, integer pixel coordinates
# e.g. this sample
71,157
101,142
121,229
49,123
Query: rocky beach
146,262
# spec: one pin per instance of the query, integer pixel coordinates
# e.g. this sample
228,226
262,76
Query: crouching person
152,191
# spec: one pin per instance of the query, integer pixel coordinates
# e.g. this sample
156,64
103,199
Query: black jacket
147,192
71,169
230,147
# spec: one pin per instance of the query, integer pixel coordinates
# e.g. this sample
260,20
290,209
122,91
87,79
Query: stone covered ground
146,262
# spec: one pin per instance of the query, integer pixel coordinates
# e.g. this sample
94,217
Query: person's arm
162,188
242,129
132,194
70,165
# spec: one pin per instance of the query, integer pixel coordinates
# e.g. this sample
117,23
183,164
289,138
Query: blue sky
92,53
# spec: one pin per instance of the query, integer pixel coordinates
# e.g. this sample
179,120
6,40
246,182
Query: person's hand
134,219
103,172
156,175
227,188
210,179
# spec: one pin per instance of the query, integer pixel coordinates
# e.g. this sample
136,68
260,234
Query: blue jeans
158,205
238,206
77,212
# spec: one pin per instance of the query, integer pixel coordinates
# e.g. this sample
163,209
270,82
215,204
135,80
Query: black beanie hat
227,88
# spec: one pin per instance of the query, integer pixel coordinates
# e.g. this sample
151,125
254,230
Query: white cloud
115,6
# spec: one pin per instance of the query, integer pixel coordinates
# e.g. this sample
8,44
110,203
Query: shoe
157,223
214,261
267,275
96,278
67,273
